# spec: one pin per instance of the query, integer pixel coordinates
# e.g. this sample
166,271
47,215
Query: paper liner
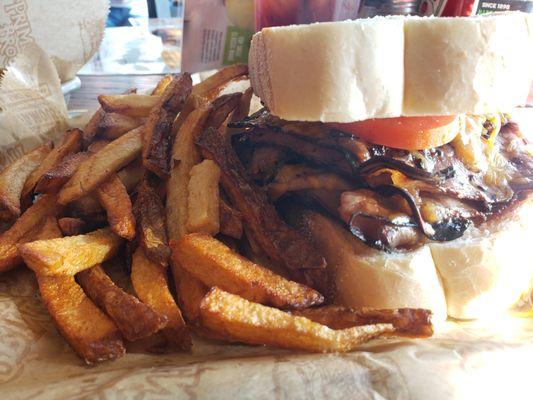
32,107
69,31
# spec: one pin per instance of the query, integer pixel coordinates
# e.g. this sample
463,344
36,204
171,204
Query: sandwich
390,144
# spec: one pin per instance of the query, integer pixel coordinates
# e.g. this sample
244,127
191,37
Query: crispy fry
85,206
221,110
134,319
51,181
243,109
131,175
230,221
215,264
100,165
97,145
72,226
71,254
211,87
70,144
114,125
133,105
157,136
151,285
83,325
276,238
185,156
151,228
113,196
22,230
49,229
13,177
203,203
190,292
244,321
162,85
410,322
91,129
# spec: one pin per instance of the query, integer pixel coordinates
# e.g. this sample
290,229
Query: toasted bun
393,66
484,272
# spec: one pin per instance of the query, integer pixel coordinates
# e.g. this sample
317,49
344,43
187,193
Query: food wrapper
69,31
32,107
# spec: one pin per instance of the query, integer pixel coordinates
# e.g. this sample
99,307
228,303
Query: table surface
86,98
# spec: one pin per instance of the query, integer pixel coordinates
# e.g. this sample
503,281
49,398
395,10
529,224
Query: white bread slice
482,274
365,277
356,70
485,272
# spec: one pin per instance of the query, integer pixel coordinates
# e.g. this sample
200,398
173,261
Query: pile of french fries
151,183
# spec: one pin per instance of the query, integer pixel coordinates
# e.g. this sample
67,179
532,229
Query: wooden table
94,85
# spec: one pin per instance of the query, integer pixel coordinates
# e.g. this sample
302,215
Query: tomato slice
408,133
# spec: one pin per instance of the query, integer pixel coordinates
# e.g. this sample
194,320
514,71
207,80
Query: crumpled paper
69,31
32,107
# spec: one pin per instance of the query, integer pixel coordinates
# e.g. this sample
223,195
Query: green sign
237,45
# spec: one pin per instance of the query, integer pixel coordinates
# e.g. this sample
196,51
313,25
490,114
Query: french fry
230,221
90,332
22,230
133,105
113,196
101,165
158,129
86,206
97,145
278,240
243,108
134,319
222,109
71,226
151,286
204,198
113,125
13,177
52,180
409,322
214,264
244,321
91,129
185,156
131,175
49,230
71,254
70,144
151,228
211,87
162,85
190,292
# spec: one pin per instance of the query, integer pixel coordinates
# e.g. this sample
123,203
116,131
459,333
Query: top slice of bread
393,66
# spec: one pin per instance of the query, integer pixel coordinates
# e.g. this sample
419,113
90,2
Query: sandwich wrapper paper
488,359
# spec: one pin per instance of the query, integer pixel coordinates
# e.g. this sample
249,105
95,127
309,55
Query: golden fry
204,198
244,321
151,286
90,332
215,264
133,105
70,144
211,87
100,165
185,156
162,85
23,230
190,292
134,319
113,196
71,254
52,180
13,177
